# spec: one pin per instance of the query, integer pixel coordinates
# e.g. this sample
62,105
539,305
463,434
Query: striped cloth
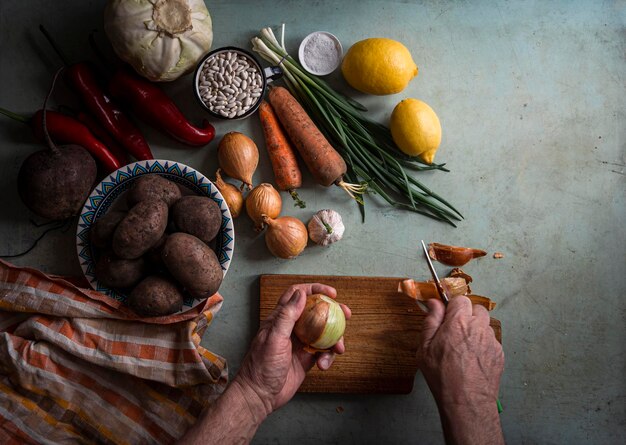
78,367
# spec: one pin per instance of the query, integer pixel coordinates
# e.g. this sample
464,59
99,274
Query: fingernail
296,296
325,362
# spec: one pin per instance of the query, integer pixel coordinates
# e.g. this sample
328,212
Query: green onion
372,157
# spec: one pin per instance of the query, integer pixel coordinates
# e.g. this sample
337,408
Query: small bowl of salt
320,53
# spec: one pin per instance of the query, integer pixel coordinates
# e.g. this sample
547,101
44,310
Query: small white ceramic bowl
329,50
111,188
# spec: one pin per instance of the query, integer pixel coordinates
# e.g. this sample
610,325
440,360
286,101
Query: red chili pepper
67,130
150,103
84,82
104,136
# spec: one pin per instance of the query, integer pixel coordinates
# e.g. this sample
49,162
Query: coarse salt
321,53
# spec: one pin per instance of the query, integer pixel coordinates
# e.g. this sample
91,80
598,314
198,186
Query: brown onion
286,237
231,194
238,156
322,322
264,199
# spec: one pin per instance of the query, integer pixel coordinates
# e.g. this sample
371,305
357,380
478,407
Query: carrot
284,163
323,161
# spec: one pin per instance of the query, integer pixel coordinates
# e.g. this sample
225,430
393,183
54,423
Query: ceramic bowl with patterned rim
107,192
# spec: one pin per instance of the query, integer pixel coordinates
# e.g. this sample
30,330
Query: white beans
230,83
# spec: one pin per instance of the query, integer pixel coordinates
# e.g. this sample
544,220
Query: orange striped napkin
78,366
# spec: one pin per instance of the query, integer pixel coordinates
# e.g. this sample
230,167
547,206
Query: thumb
433,320
287,314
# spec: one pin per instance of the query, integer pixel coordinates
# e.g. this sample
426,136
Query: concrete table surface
531,98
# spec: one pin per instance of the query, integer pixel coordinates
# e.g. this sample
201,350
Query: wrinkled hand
459,355
276,363
462,362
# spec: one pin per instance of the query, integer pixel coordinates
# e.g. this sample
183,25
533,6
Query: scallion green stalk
367,146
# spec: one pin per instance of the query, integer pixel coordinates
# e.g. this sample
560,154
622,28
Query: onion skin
238,157
458,273
231,194
456,284
286,237
264,199
322,322
452,255
424,290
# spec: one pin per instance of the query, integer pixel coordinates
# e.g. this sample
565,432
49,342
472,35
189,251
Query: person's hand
458,353
462,363
276,363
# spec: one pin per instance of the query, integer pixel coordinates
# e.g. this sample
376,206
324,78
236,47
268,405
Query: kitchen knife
433,272
444,297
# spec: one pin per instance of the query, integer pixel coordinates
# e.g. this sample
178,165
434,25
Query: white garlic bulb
326,227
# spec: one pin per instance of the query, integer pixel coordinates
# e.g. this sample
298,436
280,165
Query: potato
193,264
150,187
142,228
155,296
119,273
199,216
102,230
171,228
153,256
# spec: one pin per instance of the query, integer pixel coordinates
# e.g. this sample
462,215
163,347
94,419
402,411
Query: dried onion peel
453,255
425,290
456,284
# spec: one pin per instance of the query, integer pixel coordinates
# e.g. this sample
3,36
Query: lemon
378,66
416,129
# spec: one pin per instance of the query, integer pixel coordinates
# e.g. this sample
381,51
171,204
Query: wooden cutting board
381,337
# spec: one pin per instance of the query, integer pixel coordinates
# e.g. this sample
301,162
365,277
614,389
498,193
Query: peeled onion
322,323
263,200
286,237
238,156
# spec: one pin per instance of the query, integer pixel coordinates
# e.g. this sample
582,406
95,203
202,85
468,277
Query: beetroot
55,182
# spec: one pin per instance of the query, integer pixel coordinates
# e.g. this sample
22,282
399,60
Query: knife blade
440,290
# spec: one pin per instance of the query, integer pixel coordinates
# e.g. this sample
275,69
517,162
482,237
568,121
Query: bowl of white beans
230,83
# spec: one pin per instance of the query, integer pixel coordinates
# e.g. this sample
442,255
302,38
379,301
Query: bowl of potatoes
156,235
